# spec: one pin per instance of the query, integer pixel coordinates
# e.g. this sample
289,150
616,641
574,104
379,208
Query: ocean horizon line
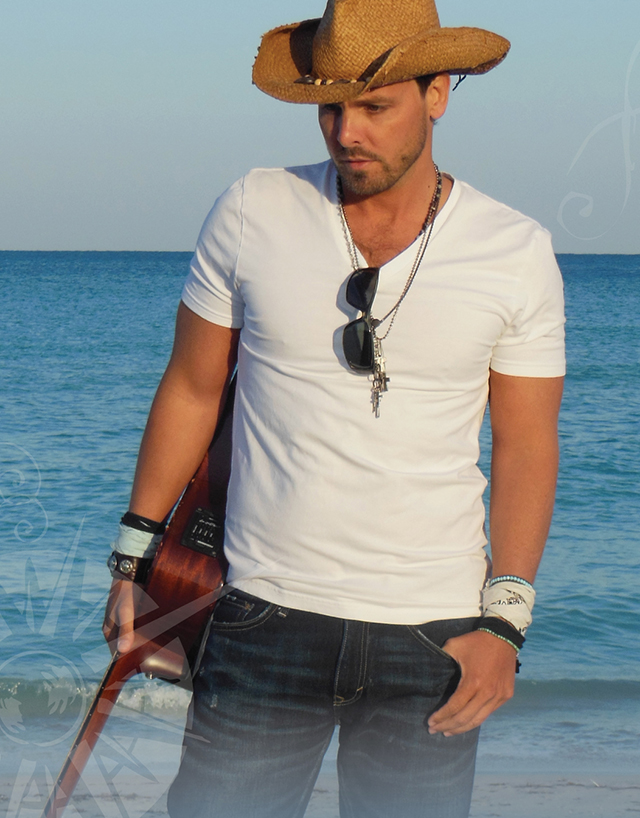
100,252
190,251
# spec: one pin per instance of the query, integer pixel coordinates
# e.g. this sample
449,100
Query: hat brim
286,56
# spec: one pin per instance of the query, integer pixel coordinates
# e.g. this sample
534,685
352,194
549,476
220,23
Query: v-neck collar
407,256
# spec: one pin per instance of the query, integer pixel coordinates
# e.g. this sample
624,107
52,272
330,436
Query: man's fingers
125,616
125,637
459,711
458,701
120,614
465,715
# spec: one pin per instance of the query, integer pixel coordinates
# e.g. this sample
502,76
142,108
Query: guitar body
185,580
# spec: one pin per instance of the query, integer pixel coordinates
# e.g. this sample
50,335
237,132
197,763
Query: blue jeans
273,683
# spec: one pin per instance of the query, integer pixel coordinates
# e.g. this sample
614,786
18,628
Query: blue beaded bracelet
503,638
509,578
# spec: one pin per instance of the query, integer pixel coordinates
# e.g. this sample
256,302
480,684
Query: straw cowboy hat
362,44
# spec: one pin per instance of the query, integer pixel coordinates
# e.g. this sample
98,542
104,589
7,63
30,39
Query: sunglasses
357,336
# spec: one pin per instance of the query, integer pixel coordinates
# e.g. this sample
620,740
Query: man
372,304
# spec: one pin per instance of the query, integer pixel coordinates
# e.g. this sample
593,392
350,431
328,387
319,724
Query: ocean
84,340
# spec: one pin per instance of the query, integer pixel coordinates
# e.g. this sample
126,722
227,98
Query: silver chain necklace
379,375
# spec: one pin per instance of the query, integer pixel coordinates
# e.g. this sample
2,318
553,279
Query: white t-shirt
331,509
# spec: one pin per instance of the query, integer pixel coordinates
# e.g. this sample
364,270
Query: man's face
377,138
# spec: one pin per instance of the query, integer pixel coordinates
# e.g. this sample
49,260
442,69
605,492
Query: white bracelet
510,599
136,543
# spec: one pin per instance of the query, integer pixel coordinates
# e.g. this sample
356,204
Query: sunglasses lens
361,288
357,343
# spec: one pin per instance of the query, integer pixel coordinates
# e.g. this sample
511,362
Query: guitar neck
119,670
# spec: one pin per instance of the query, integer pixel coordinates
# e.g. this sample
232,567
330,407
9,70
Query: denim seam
343,648
427,643
246,625
362,669
363,660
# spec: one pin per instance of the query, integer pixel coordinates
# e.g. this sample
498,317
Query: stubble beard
362,183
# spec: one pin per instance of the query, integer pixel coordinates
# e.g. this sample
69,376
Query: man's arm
524,465
181,423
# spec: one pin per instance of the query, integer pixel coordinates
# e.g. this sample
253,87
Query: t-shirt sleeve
532,345
210,289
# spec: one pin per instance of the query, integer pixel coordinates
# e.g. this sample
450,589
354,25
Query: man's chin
359,182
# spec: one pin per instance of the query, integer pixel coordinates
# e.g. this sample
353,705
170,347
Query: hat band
309,80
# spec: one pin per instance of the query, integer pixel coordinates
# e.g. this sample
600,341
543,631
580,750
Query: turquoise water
84,339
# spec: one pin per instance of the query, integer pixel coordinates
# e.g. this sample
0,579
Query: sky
121,121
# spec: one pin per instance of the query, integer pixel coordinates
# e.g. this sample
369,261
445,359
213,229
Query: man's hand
123,604
488,674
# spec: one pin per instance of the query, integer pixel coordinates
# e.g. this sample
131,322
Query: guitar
182,586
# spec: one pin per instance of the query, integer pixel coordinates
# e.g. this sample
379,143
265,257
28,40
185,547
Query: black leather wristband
502,629
122,566
142,523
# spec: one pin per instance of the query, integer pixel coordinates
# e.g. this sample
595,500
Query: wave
62,697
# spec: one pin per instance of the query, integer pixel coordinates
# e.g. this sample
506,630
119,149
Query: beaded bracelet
503,630
509,578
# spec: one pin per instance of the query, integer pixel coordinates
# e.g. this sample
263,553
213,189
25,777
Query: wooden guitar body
183,584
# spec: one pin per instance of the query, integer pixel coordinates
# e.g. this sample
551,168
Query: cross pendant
380,380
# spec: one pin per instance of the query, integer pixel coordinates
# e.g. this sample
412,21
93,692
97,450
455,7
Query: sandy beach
543,796
495,796
527,796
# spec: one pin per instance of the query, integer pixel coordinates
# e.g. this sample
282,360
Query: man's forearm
523,482
524,468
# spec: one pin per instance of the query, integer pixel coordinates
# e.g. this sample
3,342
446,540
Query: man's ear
437,96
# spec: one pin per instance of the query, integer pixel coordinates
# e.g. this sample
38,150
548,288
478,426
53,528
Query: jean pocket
431,646
237,610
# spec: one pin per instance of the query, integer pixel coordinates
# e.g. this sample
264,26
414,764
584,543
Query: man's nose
348,132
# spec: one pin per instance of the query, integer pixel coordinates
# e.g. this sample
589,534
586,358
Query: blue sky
122,120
